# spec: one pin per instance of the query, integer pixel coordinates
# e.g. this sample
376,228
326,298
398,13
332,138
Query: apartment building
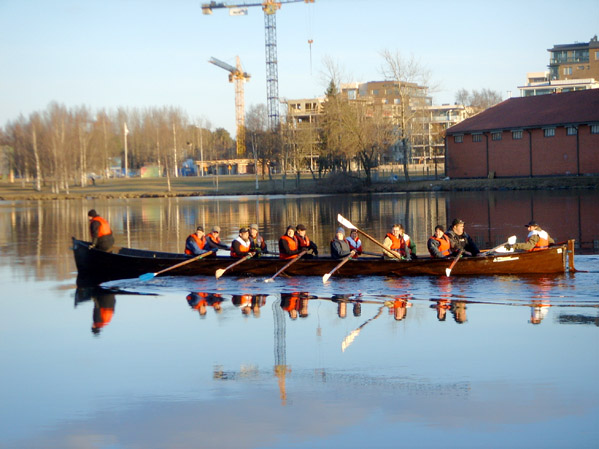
579,60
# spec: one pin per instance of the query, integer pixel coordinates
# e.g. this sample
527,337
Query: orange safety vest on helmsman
104,228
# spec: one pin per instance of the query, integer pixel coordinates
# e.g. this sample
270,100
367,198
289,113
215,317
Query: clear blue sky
133,53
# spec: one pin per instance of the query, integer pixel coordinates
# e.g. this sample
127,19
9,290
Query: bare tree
477,101
411,80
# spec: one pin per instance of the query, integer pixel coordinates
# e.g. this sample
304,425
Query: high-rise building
579,60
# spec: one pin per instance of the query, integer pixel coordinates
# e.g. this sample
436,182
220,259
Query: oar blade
147,276
447,272
219,272
325,278
269,280
345,222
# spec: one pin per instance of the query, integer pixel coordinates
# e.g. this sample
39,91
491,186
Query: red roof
568,108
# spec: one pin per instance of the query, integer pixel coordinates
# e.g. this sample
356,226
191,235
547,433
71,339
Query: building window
477,137
567,70
549,132
597,56
594,129
496,136
517,135
571,131
458,139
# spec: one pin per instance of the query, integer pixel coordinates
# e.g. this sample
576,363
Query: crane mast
270,30
239,77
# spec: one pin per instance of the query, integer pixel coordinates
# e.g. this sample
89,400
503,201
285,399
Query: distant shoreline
246,185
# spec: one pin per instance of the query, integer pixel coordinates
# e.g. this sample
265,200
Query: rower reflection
538,311
399,306
104,304
342,300
200,301
295,304
249,304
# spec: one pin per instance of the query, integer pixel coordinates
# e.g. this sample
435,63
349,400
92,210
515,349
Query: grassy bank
246,185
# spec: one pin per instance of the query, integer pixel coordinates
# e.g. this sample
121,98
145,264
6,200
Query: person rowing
339,246
195,244
240,247
438,244
355,244
400,243
536,240
257,243
213,242
460,240
305,243
288,244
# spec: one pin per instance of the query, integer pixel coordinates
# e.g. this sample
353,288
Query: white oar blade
325,278
269,280
219,272
345,222
447,272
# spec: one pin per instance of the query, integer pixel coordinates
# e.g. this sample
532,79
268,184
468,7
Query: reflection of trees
578,319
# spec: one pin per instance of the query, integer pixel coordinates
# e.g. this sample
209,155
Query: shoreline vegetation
278,185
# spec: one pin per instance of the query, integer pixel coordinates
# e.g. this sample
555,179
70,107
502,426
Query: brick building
546,135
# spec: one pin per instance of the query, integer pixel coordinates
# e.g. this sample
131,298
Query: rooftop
569,108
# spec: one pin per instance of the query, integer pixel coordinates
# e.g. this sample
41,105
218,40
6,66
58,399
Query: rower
460,240
257,243
304,242
438,244
536,240
213,242
288,245
339,246
195,243
240,247
395,240
355,244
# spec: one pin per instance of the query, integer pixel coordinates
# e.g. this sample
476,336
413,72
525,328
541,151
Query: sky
154,53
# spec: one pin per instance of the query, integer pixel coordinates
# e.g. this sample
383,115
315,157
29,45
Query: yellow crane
237,75
270,26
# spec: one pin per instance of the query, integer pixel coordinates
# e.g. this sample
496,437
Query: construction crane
237,75
270,27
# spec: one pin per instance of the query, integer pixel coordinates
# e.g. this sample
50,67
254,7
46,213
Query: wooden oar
295,259
448,270
510,240
148,276
349,225
326,277
221,271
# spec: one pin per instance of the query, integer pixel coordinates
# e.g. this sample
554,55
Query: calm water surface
238,363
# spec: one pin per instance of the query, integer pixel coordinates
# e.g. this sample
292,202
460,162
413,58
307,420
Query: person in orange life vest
396,242
196,243
399,308
304,242
536,240
438,245
213,241
100,232
355,244
339,246
460,240
288,245
104,305
257,243
240,247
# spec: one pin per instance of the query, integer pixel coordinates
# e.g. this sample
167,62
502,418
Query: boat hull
97,266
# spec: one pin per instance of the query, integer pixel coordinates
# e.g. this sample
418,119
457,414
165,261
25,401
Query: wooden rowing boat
123,263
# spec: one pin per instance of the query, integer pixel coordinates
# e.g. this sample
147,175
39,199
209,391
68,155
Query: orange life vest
214,239
244,248
444,245
293,245
104,228
397,244
543,242
355,245
201,242
105,317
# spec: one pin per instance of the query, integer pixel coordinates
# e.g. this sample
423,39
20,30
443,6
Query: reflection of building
546,135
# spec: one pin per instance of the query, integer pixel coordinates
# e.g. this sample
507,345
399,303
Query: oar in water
271,279
221,271
349,225
148,276
448,270
326,277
